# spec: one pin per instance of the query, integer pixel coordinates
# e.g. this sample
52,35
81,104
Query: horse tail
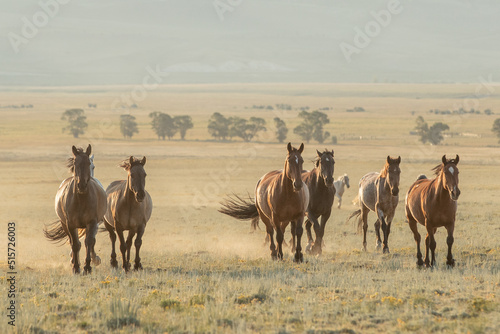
355,201
239,208
356,213
55,232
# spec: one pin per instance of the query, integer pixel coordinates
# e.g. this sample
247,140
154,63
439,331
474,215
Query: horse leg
377,232
131,234
324,219
138,243
381,218
340,202
123,246
317,232
309,235
75,249
89,244
270,234
112,236
364,219
279,239
433,247
298,250
413,226
449,241
292,229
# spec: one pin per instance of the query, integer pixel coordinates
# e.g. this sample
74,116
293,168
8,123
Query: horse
433,203
80,203
339,187
129,207
379,192
321,193
92,167
280,197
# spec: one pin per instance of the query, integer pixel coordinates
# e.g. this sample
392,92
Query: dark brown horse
433,203
129,209
80,204
379,192
280,197
321,193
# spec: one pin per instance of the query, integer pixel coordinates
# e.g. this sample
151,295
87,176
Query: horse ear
89,150
443,159
457,158
289,147
131,160
75,151
399,159
143,161
388,159
333,154
319,153
301,148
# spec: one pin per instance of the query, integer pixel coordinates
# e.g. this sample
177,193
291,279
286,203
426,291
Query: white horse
339,187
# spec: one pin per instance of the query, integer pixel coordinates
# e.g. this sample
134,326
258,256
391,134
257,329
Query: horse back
368,190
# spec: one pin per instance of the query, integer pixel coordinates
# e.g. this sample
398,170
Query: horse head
326,164
81,168
136,177
345,179
450,175
293,166
393,174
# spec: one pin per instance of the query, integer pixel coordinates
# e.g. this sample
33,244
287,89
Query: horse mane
438,169
385,169
127,165
71,161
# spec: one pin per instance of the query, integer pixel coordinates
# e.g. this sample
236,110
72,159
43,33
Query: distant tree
496,128
76,119
128,126
430,134
218,126
281,129
246,129
312,126
183,123
163,125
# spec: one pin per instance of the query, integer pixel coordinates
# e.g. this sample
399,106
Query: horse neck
286,183
319,179
128,195
439,185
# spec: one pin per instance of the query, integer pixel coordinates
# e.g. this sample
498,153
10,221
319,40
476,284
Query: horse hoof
451,263
138,267
96,261
114,263
87,270
76,270
299,258
386,251
420,263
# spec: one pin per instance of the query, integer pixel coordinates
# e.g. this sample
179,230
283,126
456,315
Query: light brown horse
129,209
280,197
433,203
80,204
379,192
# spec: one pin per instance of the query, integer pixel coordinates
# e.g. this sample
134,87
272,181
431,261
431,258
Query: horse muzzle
455,194
329,182
297,186
395,191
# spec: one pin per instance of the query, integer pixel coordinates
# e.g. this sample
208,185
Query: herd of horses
287,196
290,195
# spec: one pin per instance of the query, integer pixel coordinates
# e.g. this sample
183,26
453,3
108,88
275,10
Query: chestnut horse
379,192
80,204
129,209
433,203
280,197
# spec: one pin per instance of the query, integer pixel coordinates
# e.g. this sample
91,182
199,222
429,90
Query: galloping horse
129,208
339,187
378,192
80,203
433,203
280,197
321,192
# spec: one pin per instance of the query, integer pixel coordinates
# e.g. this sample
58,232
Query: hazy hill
114,41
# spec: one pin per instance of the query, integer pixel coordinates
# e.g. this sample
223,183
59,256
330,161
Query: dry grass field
205,272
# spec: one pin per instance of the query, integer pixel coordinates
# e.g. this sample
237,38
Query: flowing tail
357,213
239,208
55,232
